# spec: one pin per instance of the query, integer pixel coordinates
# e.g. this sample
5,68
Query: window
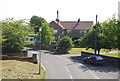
83,31
68,31
55,31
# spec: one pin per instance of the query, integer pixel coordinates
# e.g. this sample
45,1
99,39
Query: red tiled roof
81,25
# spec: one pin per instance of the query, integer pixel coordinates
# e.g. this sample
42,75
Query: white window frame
55,30
68,31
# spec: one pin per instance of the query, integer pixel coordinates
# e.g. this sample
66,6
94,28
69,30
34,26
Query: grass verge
21,70
113,55
90,50
78,50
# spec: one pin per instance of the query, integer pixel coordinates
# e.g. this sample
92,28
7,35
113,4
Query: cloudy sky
69,10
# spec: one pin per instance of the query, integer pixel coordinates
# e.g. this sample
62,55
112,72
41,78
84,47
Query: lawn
78,50
113,55
20,70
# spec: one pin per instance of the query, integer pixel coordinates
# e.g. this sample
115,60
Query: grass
113,55
21,70
78,50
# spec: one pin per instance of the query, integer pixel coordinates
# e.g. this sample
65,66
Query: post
96,36
40,52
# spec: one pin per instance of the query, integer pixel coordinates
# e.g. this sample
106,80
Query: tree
46,33
107,36
65,44
117,45
14,34
37,22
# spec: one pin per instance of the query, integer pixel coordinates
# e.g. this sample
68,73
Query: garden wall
110,61
23,54
32,59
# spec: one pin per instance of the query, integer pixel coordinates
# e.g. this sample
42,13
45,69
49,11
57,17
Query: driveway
69,66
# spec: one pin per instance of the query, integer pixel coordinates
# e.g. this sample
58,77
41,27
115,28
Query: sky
69,10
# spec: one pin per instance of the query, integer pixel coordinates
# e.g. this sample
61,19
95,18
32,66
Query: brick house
74,29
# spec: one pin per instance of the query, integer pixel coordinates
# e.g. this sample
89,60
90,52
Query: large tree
14,34
107,35
37,22
46,33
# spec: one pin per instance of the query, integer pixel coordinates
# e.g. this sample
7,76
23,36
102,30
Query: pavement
69,66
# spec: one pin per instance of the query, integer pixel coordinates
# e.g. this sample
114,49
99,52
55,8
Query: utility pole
96,36
39,64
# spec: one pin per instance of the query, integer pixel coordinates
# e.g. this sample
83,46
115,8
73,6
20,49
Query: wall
32,59
24,54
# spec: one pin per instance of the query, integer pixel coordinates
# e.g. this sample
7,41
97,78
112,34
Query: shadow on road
86,67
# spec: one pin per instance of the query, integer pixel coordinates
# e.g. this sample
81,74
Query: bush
14,34
64,45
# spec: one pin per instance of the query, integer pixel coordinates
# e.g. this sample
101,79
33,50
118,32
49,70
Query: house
32,38
73,29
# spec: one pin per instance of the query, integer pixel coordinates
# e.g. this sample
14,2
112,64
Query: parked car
94,59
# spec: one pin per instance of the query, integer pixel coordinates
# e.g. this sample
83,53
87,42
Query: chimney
57,16
78,22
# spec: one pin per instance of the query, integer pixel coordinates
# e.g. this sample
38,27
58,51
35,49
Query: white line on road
43,67
69,72
66,69
92,73
71,77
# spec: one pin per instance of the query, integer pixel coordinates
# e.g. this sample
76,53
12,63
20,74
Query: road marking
92,73
43,67
69,72
71,77
66,69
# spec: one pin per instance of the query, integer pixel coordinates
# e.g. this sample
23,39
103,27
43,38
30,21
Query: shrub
64,45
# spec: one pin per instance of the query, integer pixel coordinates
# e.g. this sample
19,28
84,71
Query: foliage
46,33
65,44
108,36
37,22
14,34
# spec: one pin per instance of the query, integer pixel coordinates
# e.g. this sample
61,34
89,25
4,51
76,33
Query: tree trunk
99,52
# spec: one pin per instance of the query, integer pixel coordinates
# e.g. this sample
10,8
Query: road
68,67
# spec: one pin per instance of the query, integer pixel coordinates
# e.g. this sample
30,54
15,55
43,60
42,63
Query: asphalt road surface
69,67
